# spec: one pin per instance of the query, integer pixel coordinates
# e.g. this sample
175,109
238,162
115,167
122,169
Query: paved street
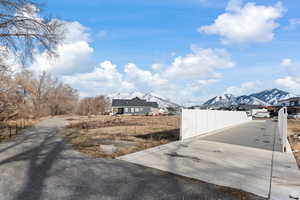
239,157
38,164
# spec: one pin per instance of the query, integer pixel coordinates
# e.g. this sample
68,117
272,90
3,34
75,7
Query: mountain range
265,98
162,102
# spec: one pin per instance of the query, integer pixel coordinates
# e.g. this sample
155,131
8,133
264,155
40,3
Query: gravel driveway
39,164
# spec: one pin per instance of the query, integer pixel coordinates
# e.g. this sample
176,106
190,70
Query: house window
126,110
137,109
132,110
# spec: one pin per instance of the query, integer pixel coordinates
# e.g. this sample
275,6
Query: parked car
262,115
294,116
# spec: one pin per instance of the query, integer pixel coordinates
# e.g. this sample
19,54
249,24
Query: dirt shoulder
10,129
294,137
113,136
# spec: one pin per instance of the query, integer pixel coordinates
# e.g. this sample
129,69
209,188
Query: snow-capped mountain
244,99
224,100
272,96
264,98
162,102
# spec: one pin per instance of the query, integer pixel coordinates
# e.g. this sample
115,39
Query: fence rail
10,129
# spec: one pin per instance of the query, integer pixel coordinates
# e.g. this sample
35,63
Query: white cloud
234,5
29,11
290,82
157,66
200,64
144,79
286,62
290,76
104,79
74,53
293,23
251,23
197,85
180,81
10,60
245,88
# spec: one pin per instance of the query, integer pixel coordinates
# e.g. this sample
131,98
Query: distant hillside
162,102
266,97
224,100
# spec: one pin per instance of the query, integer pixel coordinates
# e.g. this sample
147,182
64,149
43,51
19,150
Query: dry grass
10,129
127,134
294,129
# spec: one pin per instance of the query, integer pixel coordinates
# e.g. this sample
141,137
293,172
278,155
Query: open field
112,136
294,137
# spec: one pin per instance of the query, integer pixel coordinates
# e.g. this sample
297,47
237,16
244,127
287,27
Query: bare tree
62,99
7,93
93,105
22,32
22,29
46,95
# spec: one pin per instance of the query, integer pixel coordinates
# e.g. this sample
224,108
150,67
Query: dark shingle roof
133,102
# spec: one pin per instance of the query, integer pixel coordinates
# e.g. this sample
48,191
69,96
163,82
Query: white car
262,115
294,116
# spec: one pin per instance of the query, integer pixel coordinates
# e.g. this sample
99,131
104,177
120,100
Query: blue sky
200,48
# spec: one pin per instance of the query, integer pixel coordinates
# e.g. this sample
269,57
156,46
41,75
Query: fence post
282,127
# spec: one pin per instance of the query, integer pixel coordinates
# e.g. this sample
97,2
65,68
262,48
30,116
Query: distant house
295,101
135,106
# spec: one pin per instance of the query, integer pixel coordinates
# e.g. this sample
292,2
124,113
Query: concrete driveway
38,164
240,157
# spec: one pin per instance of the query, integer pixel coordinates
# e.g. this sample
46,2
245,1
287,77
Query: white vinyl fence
199,122
282,127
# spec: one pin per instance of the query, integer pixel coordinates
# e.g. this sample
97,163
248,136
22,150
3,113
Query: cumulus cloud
157,66
179,80
104,79
286,62
200,64
290,76
245,88
143,78
290,82
197,85
234,5
293,23
248,23
172,81
74,53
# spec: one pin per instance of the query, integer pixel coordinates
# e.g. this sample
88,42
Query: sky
185,50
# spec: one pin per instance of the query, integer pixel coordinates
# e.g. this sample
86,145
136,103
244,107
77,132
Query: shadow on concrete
54,171
40,159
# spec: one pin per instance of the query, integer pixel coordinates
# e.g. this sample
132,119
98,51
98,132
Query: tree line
24,94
